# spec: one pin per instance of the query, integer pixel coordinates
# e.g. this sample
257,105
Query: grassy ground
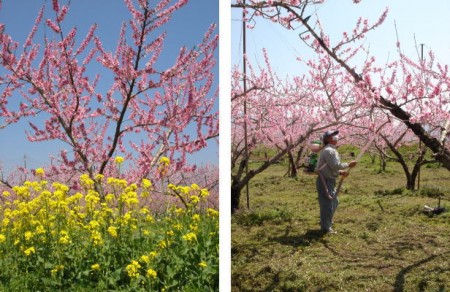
384,241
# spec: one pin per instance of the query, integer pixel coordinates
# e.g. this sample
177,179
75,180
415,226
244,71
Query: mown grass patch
384,241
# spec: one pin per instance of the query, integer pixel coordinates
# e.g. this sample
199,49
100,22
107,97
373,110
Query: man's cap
329,134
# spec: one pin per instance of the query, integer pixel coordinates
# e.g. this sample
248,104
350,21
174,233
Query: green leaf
48,266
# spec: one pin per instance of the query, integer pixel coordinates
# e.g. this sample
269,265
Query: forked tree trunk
235,197
292,165
411,176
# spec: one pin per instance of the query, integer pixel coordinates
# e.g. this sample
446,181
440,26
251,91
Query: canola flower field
52,239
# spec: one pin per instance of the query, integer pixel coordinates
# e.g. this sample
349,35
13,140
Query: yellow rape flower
196,217
6,194
109,198
130,198
40,172
28,235
117,182
64,240
145,259
92,198
5,222
122,183
93,224
195,199
99,177
144,211
162,244
213,213
57,269
204,193
59,195
149,218
74,198
46,194
133,269
2,238
185,190
127,217
40,229
119,159
112,231
54,271
22,191
203,264
146,183
193,227
86,181
64,237
96,237
164,160
95,267
61,187
190,237
179,211
131,188
29,251
163,167
151,273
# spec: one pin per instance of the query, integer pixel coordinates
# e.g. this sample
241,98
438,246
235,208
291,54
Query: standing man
329,168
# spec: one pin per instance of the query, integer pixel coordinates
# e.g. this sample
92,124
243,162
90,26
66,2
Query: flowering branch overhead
416,94
145,101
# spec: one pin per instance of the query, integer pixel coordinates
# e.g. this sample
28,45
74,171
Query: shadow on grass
400,279
300,240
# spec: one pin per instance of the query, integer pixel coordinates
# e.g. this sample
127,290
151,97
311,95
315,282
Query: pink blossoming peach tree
147,111
412,93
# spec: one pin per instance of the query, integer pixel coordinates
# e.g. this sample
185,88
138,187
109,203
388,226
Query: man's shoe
331,231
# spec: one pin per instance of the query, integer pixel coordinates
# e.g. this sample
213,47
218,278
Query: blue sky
424,22
187,27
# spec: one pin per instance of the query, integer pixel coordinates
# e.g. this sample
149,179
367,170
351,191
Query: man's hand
352,164
344,173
